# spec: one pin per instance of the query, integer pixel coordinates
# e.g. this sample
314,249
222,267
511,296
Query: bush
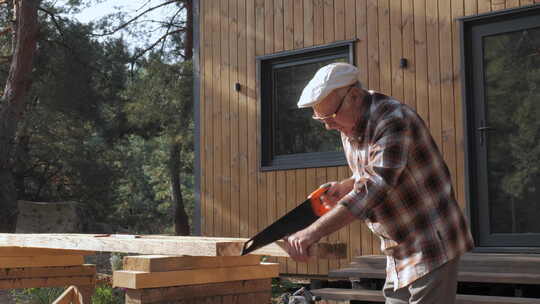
36,295
107,295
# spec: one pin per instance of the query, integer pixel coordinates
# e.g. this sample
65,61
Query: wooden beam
27,251
47,272
41,261
82,294
47,282
163,245
157,263
178,293
66,297
140,279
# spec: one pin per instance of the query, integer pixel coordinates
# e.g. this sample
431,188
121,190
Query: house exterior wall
238,200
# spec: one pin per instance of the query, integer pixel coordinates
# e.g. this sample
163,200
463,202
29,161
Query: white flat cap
328,78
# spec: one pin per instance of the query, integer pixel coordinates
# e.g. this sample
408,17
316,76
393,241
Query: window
289,137
502,101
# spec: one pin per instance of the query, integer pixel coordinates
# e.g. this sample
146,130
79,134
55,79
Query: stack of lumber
158,279
26,267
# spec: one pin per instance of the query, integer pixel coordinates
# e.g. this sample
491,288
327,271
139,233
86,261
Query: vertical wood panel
512,3
384,47
291,197
339,19
234,121
332,175
318,21
243,134
420,55
281,197
484,6
216,119
288,24
311,185
298,32
252,117
447,92
409,74
203,53
498,5
328,21
457,11
308,23
396,50
434,76
261,177
269,40
224,215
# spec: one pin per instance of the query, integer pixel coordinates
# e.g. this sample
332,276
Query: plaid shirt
403,191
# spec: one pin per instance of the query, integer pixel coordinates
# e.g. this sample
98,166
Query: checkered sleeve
385,159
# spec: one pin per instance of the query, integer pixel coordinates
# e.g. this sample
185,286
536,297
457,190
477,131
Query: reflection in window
512,74
296,132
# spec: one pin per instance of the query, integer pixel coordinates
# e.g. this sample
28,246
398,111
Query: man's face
337,111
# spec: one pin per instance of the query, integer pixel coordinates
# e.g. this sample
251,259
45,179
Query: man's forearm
332,221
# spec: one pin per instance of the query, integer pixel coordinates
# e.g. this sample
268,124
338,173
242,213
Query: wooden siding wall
237,199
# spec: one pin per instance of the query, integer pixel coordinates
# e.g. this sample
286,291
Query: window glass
295,131
512,88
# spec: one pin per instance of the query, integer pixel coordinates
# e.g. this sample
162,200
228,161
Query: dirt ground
4,298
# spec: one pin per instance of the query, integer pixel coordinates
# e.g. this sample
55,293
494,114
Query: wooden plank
252,118
203,53
409,94
434,76
278,25
420,55
216,120
243,126
46,282
83,294
66,297
41,261
512,3
484,6
318,22
159,263
298,24
350,19
288,24
27,251
223,211
339,20
308,23
234,122
177,293
329,23
458,11
59,271
396,49
164,245
447,93
344,233
139,279
262,218
384,47
498,5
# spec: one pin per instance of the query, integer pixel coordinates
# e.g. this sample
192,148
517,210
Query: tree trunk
181,220
189,30
12,103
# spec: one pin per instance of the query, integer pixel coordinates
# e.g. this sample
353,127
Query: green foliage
36,295
107,295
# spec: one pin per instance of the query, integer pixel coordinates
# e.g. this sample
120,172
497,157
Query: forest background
102,121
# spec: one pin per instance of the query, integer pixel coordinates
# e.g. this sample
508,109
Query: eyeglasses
333,115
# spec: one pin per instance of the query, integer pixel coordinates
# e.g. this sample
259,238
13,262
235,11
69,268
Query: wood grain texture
37,272
139,279
158,263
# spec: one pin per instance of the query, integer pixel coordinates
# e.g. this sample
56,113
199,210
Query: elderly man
400,187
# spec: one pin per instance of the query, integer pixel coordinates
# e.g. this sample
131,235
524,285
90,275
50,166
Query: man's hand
336,191
297,245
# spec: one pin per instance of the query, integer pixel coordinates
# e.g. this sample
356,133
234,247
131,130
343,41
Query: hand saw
297,219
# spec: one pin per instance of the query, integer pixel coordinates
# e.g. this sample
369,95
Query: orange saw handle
316,204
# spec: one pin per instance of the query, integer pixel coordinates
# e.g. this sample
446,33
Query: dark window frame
269,161
473,29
